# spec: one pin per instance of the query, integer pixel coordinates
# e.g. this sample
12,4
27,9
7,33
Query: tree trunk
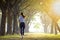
15,24
58,27
45,28
55,27
52,28
3,21
55,24
55,30
9,22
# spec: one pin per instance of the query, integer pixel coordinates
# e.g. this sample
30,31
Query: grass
31,36
9,36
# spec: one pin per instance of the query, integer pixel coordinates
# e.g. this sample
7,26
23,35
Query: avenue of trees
11,10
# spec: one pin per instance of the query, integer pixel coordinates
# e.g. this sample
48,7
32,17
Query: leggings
22,27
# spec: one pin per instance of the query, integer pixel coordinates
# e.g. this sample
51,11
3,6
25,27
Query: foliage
37,26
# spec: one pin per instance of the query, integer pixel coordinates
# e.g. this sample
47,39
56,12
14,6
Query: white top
21,19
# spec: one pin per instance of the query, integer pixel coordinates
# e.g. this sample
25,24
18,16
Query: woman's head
21,13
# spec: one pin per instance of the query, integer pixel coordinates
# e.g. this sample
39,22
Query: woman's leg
23,28
21,31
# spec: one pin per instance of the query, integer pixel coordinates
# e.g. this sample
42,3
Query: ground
31,36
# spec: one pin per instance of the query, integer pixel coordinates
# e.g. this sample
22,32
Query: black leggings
22,27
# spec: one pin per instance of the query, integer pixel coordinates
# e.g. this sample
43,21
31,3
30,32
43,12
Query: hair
22,14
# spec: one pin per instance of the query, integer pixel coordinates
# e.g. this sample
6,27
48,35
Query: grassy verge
34,36
10,36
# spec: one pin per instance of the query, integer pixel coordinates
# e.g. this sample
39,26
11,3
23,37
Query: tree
3,20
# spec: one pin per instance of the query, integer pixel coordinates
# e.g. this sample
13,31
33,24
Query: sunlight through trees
39,13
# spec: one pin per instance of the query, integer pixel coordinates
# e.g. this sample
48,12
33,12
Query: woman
22,23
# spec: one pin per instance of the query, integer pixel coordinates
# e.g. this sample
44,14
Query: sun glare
56,7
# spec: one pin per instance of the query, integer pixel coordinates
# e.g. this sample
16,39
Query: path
35,36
